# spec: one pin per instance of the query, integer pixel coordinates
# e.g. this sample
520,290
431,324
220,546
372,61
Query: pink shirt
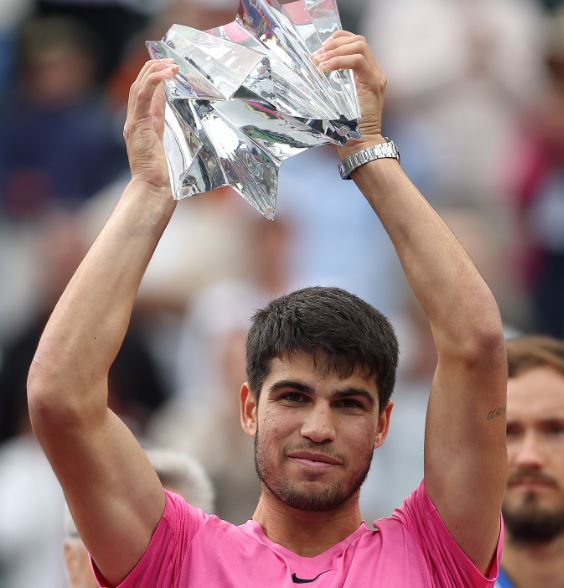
411,549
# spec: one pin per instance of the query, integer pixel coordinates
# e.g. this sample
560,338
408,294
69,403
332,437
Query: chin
321,501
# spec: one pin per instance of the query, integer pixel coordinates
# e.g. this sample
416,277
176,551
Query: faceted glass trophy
248,96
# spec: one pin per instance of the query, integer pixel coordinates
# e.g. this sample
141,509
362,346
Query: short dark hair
338,329
526,353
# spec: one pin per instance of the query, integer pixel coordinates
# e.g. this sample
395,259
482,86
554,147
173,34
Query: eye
348,403
555,428
512,430
294,397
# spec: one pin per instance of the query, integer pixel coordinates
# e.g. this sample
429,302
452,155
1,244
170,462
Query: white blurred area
464,80
466,69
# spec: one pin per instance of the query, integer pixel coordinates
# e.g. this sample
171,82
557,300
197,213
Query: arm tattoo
495,413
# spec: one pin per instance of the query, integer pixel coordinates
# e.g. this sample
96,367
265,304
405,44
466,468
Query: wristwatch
387,150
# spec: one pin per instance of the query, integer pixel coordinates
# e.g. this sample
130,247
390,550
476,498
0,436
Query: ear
383,425
248,410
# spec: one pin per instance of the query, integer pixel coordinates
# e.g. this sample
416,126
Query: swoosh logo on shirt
297,580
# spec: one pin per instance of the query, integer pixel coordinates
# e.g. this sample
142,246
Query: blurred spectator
550,4
184,475
18,276
135,384
178,473
538,176
199,14
58,142
114,23
12,12
350,12
461,70
31,507
58,249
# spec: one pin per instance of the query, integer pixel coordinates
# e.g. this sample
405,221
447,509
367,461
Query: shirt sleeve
161,563
448,563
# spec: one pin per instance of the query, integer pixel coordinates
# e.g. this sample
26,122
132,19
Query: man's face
534,500
314,433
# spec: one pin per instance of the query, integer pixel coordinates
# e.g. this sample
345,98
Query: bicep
113,493
465,451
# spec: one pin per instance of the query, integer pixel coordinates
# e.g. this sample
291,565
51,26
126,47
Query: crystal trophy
248,96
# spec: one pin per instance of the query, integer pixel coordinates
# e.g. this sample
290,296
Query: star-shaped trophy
248,96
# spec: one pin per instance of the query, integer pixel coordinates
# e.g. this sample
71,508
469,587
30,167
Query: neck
531,565
306,533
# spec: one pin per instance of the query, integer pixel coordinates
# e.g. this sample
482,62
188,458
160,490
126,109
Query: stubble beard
329,498
529,523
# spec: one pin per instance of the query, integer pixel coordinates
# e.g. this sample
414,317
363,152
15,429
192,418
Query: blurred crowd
476,104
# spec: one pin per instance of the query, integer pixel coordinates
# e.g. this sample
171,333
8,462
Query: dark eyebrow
356,392
294,384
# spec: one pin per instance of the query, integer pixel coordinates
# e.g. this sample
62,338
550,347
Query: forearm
457,301
89,322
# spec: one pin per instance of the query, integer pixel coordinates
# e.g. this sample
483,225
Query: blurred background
475,103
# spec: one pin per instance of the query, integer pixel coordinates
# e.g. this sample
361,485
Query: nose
318,426
528,452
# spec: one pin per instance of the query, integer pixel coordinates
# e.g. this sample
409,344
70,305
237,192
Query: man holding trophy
321,367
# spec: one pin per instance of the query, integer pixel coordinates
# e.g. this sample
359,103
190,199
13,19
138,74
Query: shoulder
405,519
171,546
424,535
181,516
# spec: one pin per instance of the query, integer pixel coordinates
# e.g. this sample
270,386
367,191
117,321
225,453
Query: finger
156,65
158,106
159,65
351,48
335,36
151,82
146,66
354,40
341,34
140,103
341,38
359,65
345,45
149,66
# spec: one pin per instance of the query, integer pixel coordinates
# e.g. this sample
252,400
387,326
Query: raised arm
465,454
114,495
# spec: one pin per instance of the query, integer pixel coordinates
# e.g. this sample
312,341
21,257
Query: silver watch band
386,150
